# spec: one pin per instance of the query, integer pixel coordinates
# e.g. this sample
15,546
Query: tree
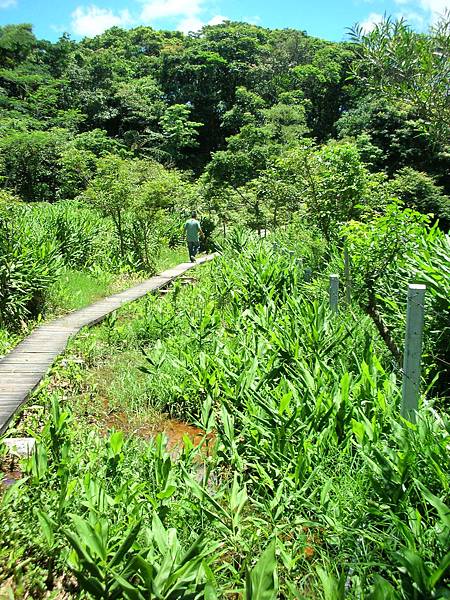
141,105
132,193
16,44
178,133
196,76
379,247
246,110
285,123
412,68
323,88
98,142
76,167
418,191
28,163
333,182
391,136
247,154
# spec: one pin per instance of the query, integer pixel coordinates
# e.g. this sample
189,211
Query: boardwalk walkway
23,368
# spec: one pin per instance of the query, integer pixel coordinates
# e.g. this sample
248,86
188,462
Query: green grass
77,289
7,341
310,450
170,257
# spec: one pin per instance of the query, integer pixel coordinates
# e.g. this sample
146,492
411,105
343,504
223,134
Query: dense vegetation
234,93
303,446
307,482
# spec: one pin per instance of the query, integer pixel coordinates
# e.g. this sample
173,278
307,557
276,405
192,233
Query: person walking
193,230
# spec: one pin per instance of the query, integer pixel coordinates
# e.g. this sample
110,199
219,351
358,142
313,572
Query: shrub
418,191
29,263
27,163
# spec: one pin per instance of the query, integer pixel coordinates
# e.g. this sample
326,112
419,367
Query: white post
348,282
413,351
334,292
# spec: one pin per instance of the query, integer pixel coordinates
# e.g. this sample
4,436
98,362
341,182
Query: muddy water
177,431
8,478
174,430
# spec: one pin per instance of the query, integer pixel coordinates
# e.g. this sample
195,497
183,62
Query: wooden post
334,292
413,351
307,274
348,281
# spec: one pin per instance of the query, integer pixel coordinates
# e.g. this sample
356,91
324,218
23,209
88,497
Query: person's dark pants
193,248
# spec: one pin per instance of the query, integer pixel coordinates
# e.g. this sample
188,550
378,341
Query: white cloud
92,20
195,24
190,24
412,18
217,20
58,28
190,12
371,22
7,3
159,9
435,8
431,10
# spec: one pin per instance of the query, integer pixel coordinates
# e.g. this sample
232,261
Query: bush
29,263
27,163
84,238
418,191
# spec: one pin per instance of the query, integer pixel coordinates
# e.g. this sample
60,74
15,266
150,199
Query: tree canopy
224,104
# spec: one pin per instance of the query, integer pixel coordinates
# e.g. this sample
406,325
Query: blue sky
323,18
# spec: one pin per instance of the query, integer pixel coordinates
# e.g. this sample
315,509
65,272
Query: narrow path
23,368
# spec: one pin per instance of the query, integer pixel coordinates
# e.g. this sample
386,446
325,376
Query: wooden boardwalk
23,368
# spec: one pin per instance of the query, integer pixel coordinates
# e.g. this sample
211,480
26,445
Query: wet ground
8,478
175,431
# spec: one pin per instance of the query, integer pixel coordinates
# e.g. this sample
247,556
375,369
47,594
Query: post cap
417,286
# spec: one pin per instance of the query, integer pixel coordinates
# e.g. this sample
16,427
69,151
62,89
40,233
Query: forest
296,475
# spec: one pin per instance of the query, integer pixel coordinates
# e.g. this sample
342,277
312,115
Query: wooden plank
22,369
29,357
8,401
26,379
8,388
45,337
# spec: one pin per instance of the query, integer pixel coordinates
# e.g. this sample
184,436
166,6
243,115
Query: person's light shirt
192,229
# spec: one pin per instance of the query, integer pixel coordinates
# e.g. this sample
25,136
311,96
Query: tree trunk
383,329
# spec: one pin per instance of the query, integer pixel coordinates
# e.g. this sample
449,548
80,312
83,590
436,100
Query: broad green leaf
47,526
89,536
333,588
261,582
126,544
442,509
